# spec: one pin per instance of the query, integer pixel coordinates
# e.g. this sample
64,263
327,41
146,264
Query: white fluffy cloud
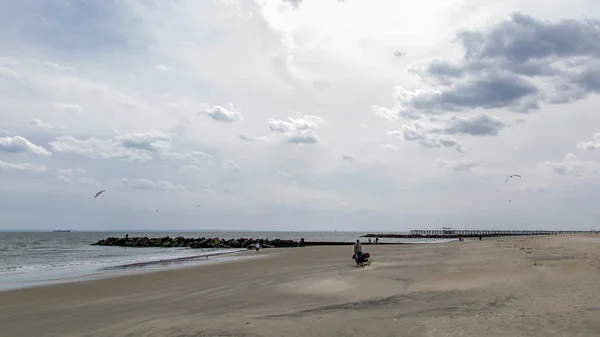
20,144
592,145
300,130
221,114
132,146
290,109
574,166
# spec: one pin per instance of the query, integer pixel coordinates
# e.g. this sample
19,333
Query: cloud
458,166
419,132
516,64
231,166
592,145
71,171
384,113
38,123
68,108
197,158
145,184
284,175
390,147
22,167
162,68
251,138
18,144
303,137
300,130
572,166
75,176
223,115
58,67
152,141
475,125
132,146
296,124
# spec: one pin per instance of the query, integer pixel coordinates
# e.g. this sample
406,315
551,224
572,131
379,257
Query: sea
39,258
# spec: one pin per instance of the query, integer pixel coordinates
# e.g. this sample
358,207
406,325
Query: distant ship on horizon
62,231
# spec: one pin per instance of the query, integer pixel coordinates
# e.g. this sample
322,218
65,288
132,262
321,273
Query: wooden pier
453,233
491,232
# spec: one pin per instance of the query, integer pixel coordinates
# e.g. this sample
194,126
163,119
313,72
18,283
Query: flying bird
510,176
198,206
97,194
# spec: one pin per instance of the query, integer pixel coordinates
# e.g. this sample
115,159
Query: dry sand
523,286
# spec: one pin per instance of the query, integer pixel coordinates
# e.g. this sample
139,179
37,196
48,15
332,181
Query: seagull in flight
97,194
198,206
511,176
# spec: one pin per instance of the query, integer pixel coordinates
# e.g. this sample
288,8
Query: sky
299,114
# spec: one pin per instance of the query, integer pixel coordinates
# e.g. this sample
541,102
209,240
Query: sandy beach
512,286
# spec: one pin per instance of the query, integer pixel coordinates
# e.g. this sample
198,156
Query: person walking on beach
258,247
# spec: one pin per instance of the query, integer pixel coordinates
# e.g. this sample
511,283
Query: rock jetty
203,242
179,241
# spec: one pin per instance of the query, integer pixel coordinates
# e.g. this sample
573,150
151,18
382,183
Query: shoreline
132,269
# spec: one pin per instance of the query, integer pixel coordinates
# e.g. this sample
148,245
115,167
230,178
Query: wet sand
513,286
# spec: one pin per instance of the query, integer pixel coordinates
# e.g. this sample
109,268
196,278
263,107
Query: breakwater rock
179,241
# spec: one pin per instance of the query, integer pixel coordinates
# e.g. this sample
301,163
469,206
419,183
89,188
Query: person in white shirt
258,247
357,247
358,256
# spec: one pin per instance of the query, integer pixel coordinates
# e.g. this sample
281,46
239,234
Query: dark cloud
476,125
302,138
517,64
418,132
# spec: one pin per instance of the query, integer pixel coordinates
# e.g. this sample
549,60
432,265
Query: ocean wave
111,260
176,259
